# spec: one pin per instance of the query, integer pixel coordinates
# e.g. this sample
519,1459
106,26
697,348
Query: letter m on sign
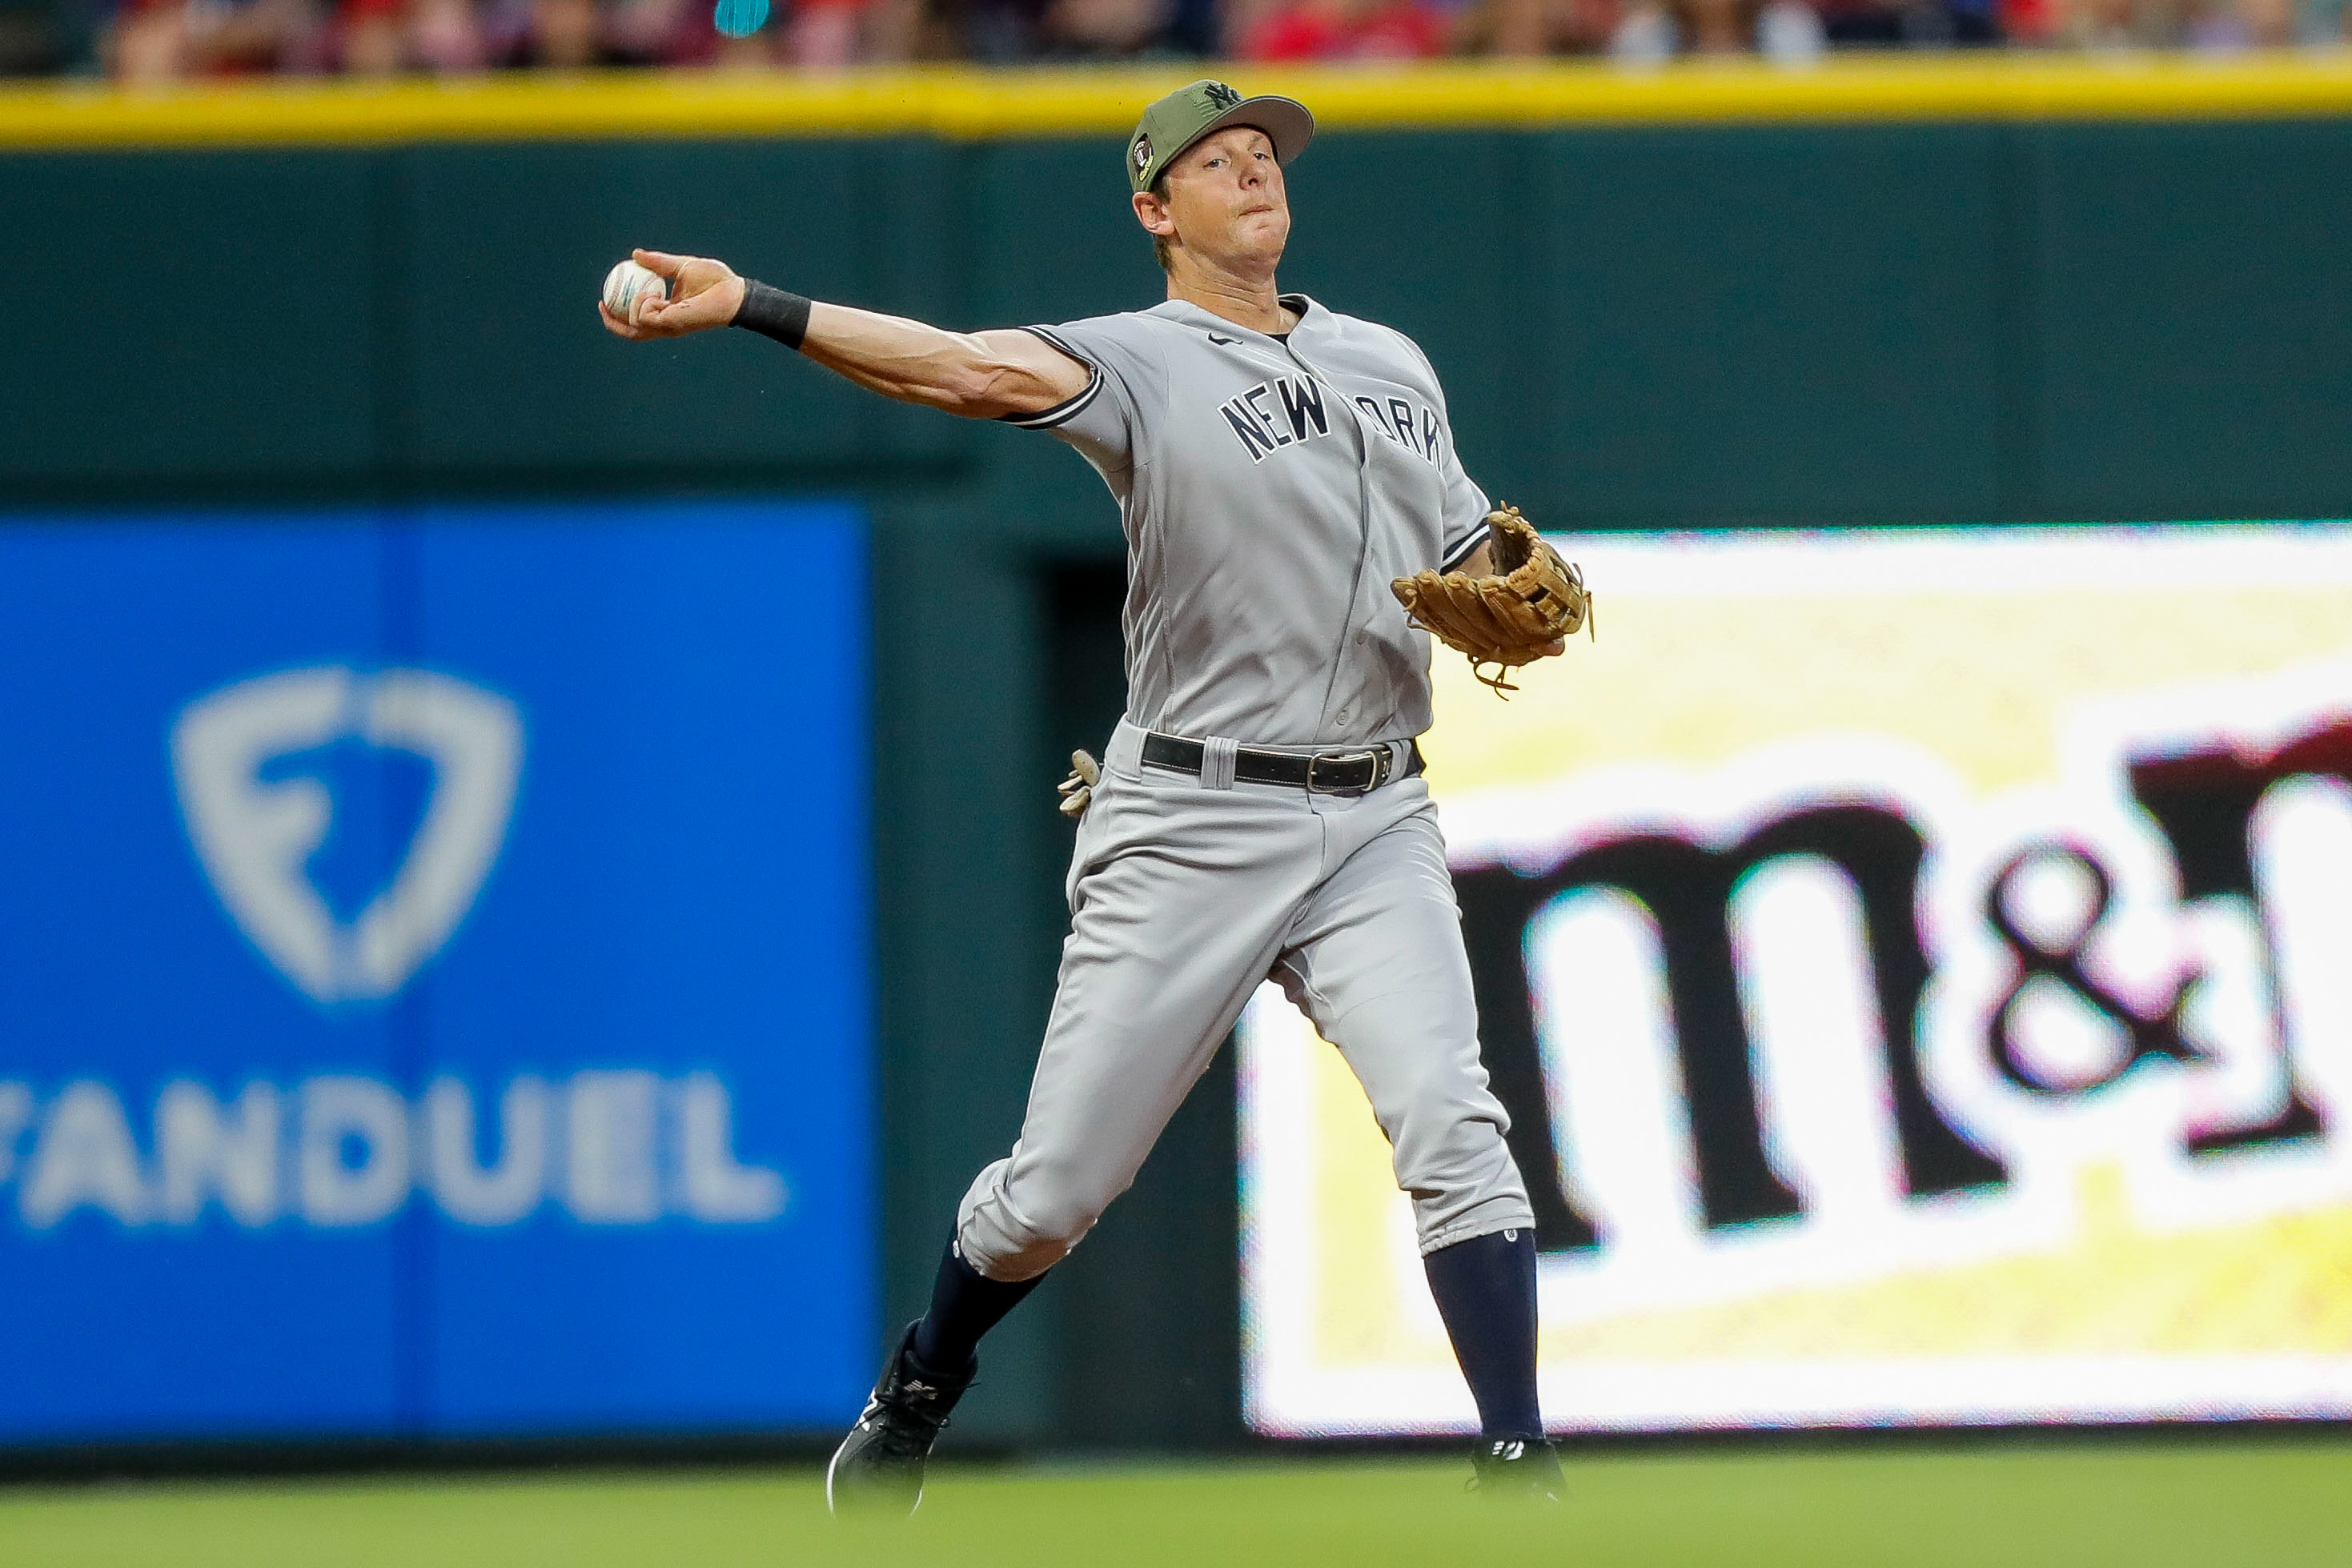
1688,888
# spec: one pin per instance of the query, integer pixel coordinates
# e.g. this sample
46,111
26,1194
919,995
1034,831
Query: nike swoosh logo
1215,338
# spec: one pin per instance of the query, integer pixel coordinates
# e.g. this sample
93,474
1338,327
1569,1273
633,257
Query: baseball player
1293,504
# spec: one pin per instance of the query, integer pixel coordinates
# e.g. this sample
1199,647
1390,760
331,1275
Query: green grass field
2214,1505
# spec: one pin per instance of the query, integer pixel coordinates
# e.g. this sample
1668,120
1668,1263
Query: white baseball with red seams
629,282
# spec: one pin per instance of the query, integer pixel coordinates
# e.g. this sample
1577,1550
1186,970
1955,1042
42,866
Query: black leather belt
1319,772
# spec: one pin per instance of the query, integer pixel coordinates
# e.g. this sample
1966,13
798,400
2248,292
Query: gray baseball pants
1183,898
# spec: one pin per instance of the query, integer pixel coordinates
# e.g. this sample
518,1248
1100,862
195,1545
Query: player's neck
1246,301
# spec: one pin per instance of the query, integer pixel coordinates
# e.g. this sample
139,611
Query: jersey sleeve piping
1462,549
1062,413
1050,336
1069,408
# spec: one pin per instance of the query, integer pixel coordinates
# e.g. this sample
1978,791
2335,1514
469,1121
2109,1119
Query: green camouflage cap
1189,113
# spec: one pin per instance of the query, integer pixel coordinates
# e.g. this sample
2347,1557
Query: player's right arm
979,375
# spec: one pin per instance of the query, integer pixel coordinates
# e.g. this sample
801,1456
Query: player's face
1226,199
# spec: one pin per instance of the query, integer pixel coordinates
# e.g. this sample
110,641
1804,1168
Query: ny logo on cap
1220,96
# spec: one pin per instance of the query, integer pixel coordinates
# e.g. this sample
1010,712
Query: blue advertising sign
433,974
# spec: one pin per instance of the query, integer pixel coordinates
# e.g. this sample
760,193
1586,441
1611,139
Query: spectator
2122,25
380,37
162,39
446,36
373,39
1104,29
147,41
2234,25
1346,31
1653,30
159,40
1532,27
2030,22
565,35
825,34
658,33
901,30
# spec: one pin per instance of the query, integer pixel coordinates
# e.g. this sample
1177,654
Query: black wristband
773,313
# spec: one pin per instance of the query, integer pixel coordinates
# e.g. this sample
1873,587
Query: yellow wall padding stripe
965,102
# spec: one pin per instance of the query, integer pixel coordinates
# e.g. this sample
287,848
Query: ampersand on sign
2057,954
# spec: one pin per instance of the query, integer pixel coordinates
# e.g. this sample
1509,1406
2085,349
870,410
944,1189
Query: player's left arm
1462,528
1466,504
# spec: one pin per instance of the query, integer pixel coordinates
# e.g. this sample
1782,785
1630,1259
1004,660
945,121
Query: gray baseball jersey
1272,490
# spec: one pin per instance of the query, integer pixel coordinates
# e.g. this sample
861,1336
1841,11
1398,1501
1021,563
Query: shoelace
904,1409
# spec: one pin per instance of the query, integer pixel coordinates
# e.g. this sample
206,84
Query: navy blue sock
965,1304
1485,1290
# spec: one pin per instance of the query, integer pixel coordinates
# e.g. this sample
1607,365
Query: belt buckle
1378,756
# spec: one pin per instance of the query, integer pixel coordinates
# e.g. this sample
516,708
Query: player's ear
1151,211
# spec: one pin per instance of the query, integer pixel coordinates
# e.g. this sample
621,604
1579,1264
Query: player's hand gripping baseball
703,293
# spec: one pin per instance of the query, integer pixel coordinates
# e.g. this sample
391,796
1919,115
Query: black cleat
1516,1467
879,1466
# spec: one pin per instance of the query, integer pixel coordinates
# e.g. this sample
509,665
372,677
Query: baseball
627,283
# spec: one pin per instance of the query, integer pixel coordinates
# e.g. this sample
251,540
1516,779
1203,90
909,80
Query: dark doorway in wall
1149,1307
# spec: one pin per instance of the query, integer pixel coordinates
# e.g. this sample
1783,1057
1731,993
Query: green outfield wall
1967,294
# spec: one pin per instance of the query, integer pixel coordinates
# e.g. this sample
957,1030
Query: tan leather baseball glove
1533,599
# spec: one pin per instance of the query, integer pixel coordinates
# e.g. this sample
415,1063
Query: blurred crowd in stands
166,39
